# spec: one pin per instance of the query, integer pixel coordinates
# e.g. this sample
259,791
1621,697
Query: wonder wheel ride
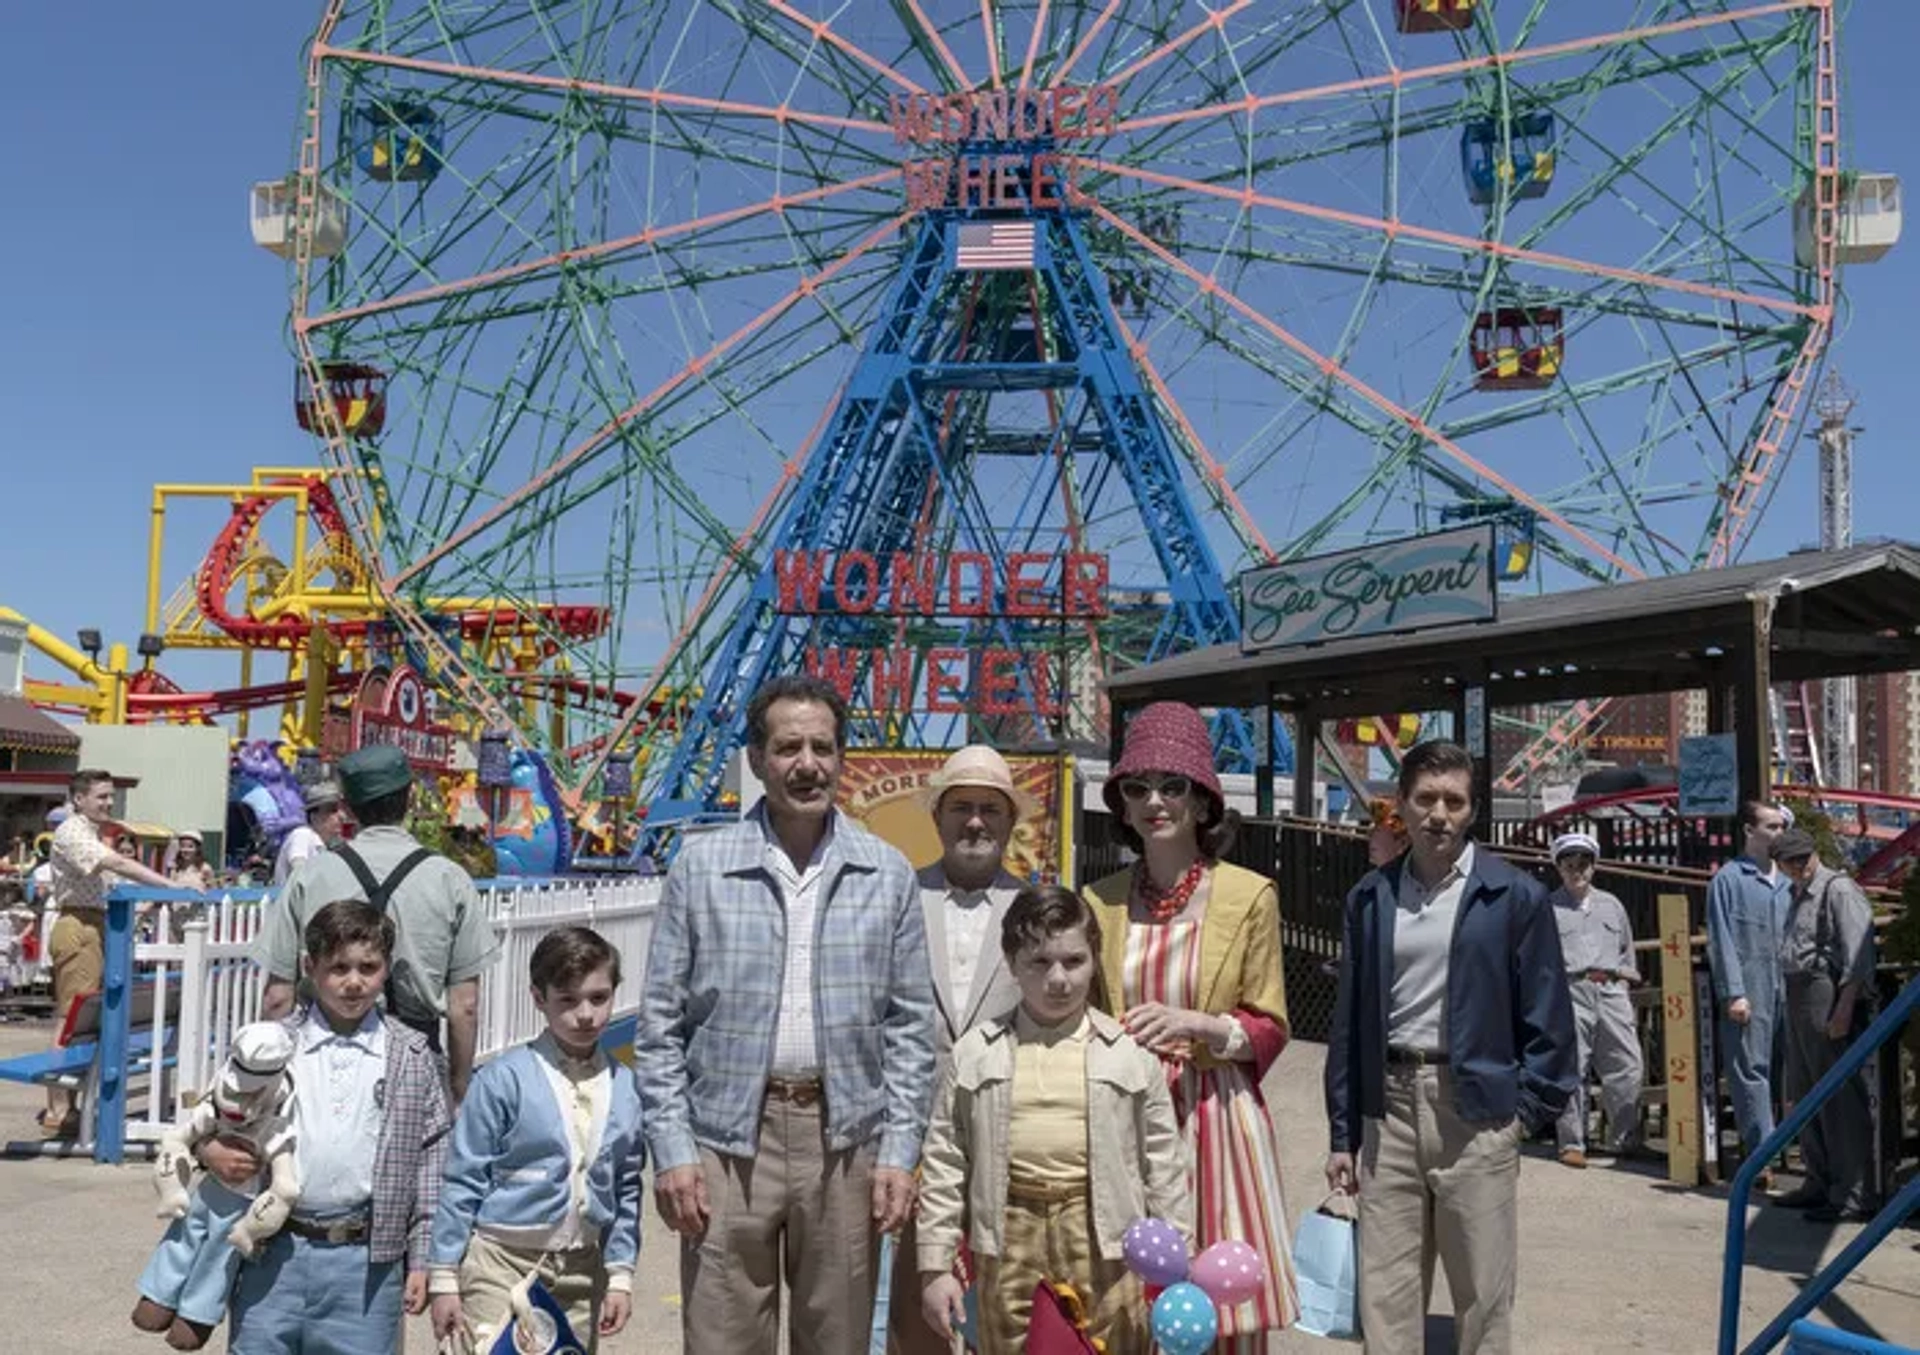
725,319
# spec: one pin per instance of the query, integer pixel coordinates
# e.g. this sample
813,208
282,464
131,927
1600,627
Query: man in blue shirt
1452,1040
1746,916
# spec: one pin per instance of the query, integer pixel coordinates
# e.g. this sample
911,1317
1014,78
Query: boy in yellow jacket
1052,1133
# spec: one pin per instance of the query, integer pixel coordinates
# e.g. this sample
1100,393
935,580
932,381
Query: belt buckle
339,1232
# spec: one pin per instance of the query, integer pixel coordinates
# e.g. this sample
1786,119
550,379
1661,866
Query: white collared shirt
796,1046
338,1090
968,912
1422,941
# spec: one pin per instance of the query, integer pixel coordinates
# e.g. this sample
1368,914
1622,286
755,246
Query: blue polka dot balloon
1185,1321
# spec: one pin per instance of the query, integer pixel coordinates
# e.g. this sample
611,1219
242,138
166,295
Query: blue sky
142,336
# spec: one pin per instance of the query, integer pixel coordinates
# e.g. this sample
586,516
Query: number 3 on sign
1677,1006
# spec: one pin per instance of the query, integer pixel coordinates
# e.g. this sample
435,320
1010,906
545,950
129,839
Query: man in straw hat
1596,946
975,807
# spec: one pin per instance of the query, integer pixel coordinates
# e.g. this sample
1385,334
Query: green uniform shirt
443,935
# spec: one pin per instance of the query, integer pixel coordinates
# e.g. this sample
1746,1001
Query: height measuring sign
1677,1024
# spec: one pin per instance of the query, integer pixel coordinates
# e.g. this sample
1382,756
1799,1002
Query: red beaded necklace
1165,904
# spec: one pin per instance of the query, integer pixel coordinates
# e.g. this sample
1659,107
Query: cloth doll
183,1291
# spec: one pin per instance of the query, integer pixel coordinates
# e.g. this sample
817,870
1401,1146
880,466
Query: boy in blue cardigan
544,1171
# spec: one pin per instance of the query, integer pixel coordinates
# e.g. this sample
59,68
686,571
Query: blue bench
74,1060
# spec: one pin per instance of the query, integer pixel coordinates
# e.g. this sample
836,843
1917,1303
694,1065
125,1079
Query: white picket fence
205,984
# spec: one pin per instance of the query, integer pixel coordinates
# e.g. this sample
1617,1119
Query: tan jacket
1135,1161
1240,963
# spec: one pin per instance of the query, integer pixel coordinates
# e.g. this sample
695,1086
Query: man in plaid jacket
785,1048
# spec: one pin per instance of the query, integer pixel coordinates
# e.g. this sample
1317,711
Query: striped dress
1233,1152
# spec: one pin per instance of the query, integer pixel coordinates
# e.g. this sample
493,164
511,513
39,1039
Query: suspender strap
380,893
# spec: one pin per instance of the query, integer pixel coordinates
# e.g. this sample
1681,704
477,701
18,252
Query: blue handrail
1815,1291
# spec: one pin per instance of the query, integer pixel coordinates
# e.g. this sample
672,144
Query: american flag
997,245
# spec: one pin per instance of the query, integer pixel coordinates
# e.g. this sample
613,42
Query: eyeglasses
1171,788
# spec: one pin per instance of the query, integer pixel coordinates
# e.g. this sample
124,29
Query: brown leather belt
1038,1192
333,1232
799,1092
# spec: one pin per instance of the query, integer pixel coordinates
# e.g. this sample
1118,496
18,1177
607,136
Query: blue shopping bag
1326,1264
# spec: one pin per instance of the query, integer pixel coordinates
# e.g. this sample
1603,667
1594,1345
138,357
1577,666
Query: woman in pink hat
1191,948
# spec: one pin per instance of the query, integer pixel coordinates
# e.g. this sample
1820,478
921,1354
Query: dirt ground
1613,1258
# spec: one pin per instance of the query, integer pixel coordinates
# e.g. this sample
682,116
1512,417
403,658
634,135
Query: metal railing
1885,1027
194,981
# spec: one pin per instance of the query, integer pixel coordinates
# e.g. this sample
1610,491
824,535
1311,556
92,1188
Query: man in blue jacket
1746,921
1452,1040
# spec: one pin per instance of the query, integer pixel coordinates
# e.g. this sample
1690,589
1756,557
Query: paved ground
1614,1259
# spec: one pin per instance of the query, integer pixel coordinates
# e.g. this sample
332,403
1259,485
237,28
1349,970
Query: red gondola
1517,348
1433,16
358,393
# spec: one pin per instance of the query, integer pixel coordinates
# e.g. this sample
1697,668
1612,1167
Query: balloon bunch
1186,1315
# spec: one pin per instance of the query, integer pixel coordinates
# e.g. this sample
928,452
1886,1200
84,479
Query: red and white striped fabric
1233,1152
995,246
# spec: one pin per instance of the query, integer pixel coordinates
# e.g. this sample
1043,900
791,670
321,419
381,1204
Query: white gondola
1869,220
273,205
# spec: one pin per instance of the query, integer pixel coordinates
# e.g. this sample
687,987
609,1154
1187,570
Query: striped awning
26,730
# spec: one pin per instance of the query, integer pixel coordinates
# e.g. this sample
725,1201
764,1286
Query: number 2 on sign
1679,1068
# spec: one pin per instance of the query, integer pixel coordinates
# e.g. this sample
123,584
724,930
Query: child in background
545,1169
1053,1132
370,1117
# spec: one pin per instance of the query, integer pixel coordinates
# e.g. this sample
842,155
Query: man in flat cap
444,941
1826,956
326,825
1596,946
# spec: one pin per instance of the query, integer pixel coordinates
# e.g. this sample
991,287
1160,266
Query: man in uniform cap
1596,946
444,940
965,894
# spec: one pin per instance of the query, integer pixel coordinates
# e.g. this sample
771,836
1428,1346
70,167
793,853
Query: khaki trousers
576,1280
1045,1240
1433,1184
77,950
797,1212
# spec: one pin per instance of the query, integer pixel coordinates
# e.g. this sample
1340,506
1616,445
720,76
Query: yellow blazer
1240,963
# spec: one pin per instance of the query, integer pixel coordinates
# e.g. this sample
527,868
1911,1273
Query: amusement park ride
964,354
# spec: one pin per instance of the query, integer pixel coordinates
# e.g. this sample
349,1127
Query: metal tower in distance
1839,723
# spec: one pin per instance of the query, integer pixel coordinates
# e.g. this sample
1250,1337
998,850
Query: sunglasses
1172,788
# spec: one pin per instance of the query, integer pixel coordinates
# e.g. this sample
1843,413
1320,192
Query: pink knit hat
1169,737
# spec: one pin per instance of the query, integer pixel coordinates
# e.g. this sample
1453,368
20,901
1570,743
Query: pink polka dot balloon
1155,1251
1229,1271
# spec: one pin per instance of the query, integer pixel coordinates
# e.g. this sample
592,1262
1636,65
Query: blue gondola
1485,162
1515,529
399,141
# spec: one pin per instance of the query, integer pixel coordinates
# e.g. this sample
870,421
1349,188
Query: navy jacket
1510,1041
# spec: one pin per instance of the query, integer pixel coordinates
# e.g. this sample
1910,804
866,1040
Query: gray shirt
1422,941
443,936
1595,933
1847,931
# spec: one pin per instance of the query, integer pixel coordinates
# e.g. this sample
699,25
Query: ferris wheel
651,325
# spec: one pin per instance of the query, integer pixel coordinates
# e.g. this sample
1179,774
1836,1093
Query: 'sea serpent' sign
1439,580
